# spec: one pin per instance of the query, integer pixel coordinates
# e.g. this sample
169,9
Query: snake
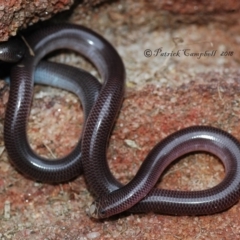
67,78
89,156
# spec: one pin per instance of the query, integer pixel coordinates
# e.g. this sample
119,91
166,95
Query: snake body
75,80
139,195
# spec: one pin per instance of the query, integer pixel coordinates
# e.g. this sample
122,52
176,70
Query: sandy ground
163,94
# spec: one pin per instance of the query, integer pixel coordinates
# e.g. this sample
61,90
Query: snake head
96,211
12,50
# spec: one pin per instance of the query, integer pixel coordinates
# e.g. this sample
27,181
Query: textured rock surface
196,6
201,11
17,14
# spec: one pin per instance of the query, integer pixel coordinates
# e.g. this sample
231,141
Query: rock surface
18,14
196,6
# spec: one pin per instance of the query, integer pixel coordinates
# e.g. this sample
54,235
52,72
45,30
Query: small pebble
93,235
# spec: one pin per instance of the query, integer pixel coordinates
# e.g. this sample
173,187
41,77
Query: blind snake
75,80
111,196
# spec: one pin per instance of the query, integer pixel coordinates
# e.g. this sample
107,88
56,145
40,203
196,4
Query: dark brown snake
139,195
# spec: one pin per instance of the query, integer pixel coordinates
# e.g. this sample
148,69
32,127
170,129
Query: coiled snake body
90,153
